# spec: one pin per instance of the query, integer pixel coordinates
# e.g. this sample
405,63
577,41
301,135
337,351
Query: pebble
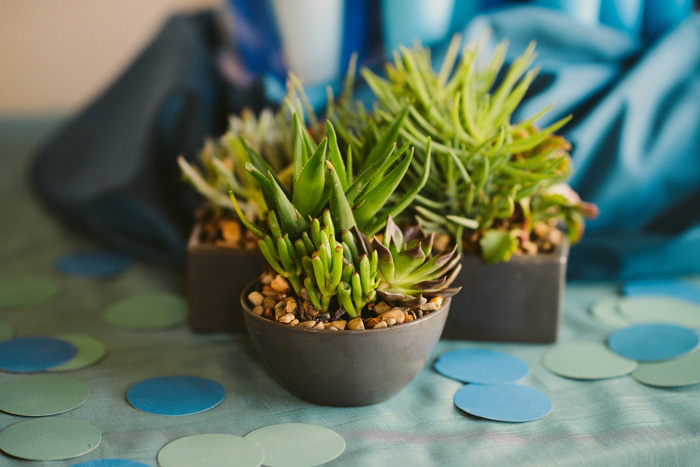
290,305
266,278
340,324
390,321
258,310
307,324
279,284
287,318
319,325
279,313
256,298
396,314
294,322
380,325
381,307
373,322
269,303
356,324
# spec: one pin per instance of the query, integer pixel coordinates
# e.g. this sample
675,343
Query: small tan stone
430,306
396,314
407,317
307,324
294,322
381,307
441,242
290,305
437,300
373,322
279,313
356,324
380,325
555,236
390,321
269,302
340,324
258,310
332,328
230,230
541,229
529,248
255,298
286,318
266,278
319,325
279,284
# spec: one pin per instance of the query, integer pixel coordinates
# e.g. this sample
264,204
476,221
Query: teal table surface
609,422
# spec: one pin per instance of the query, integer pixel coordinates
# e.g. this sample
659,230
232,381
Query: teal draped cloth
615,422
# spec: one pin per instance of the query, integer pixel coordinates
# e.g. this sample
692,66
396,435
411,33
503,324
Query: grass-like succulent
490,176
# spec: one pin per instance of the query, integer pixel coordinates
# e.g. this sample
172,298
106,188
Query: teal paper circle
49,439
42,395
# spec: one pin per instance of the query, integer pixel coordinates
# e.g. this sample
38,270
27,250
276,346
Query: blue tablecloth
611,422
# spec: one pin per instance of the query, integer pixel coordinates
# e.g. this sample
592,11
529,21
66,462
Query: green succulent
489,175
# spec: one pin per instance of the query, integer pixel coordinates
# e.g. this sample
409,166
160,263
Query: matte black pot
216,277
516,301
344,368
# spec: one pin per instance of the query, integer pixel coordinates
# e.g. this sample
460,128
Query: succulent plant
489,176
223,160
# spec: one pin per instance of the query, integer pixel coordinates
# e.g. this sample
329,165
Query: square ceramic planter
516,301
216,277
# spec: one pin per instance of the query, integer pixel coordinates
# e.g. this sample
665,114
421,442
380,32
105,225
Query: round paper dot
606,311
97,264
677,372
481,366
211,449
291,444
110,463
505,402
677,288
586,360
32,354
175,395
90,351
42,395
653,342
148,311
49,438
6,331
26,291
661,310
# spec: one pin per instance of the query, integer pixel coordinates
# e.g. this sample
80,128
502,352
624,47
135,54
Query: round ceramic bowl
344,368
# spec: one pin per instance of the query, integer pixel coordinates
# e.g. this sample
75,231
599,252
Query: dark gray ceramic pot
216,277
344,368
517,301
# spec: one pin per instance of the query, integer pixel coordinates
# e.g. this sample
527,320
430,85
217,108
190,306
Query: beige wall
55,55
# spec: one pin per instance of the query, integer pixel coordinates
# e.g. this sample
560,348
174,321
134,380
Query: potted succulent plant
336,285
497,188
222,255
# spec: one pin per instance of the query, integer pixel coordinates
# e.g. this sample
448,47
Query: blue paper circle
110,463
32,354
653,342
175,395
503,402
481,366
93,264
676,288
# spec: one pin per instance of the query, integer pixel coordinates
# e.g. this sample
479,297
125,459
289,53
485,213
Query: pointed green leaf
388,138
334,155
341,212
248,224
309,187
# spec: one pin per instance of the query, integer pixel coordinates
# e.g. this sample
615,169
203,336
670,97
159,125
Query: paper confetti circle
6,331
148,311
503,402
176,395
654,309
33,354
681,371
95,264
49,438
289,444
586,360
211,449
90,351
42,395
26,291
481,366
653,342
607,312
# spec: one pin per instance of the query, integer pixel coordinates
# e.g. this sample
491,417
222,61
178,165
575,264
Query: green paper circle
297,444
148,311
90,351
586,360
49,439
657,309
211,449
607,312
680,371
42,395
26,291
6,331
